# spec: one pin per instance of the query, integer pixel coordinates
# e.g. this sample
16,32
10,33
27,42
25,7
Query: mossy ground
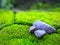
15,29
6,18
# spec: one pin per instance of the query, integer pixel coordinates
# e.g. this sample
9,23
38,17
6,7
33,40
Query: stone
39,33
32,29
44,26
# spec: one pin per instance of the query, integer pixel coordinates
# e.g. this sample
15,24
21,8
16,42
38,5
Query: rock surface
39,33
32,29
43,26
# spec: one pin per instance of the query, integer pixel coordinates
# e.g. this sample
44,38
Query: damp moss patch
19,35
6,18
29,17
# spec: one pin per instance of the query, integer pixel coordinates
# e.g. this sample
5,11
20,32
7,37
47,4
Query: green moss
6,17
19,35
28,18
58,31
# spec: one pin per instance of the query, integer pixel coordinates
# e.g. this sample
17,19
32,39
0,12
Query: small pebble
32,29
39,33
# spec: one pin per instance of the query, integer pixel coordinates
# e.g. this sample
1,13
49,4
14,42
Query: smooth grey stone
32,29
39,33
44,26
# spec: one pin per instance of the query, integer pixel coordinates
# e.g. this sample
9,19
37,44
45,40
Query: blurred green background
31,4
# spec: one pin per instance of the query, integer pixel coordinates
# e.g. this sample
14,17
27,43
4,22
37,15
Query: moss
58,31
19,35
6,18
51,18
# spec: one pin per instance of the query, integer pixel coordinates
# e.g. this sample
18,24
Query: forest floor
14,28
